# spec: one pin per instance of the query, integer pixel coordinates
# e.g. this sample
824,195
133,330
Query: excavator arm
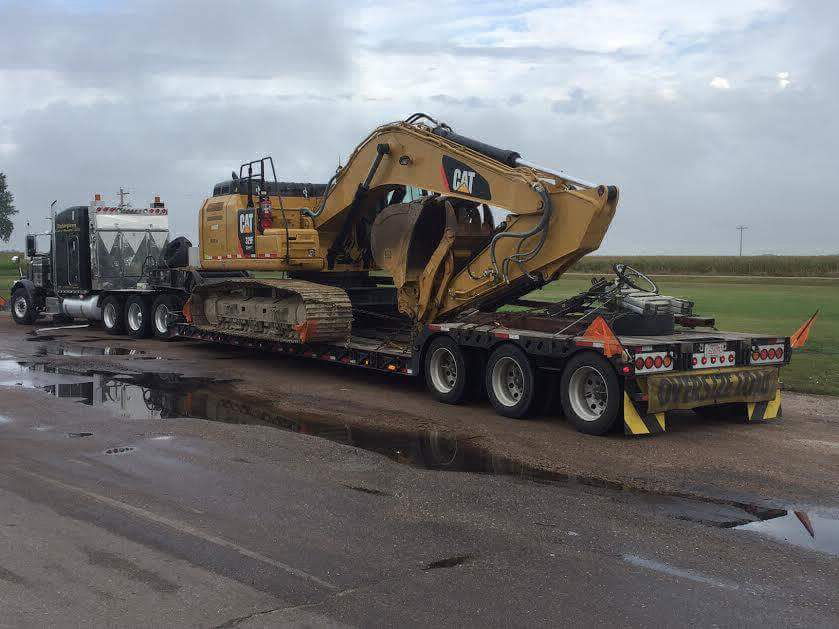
442,248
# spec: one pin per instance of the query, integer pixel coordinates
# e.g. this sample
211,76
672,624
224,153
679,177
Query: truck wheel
112,316
23,311
160,310
510,381
138,317
446,371
590,393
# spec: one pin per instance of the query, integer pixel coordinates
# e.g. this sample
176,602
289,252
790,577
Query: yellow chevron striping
632,419
774,406
750,410
660,418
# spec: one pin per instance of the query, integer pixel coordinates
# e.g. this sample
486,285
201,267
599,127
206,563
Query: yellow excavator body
414,202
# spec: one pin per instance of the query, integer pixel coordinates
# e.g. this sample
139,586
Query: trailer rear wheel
510,381
138,317
163,306
112,316
23,311
447,371
590,393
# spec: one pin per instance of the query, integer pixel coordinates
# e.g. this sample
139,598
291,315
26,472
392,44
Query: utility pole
741,228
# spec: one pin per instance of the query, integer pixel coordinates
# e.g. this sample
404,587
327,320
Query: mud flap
636,421
764,411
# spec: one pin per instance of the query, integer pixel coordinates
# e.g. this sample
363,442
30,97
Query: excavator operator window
411,194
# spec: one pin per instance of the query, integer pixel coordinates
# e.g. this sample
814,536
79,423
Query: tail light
652,362
767,354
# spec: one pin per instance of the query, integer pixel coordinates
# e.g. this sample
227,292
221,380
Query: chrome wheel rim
110,315
161,319
135,316
20,307
443,370
588,393
507,381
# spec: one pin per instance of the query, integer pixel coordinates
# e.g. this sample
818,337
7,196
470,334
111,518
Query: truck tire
23,310
113,319
590,393
138,317
510,381
447,371
160,310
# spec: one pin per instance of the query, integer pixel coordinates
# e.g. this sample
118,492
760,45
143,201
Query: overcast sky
706,114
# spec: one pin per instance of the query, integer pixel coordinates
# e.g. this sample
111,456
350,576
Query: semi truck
400,264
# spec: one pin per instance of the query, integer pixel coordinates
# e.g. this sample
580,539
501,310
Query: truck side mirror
30,245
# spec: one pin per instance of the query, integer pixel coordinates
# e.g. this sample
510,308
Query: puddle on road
801,528
157,396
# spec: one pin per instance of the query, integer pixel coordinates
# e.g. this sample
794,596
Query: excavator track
273,309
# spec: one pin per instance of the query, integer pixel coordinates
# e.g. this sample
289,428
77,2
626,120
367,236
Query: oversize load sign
668,392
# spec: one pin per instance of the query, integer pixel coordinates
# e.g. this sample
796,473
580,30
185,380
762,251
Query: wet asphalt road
205,523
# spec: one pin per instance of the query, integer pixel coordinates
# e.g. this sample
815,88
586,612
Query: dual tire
138,316
589,388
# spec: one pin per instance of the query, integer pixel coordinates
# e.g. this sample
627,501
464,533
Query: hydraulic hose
521,258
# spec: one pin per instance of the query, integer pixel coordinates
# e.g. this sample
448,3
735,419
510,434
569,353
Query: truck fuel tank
82,307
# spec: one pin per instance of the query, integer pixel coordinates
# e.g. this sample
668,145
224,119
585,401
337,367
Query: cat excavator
406,228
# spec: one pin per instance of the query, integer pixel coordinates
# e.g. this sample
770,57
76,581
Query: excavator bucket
404,237
412,242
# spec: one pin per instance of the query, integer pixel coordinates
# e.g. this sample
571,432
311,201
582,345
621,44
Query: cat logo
246,222
247,240
460,178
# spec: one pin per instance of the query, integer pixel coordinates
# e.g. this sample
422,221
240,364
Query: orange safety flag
800,337
600,331
2,303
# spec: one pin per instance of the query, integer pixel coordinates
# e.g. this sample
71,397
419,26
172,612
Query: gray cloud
303,86
259,39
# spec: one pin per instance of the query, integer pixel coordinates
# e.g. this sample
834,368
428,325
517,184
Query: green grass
781,266
774,306
7,267
5,283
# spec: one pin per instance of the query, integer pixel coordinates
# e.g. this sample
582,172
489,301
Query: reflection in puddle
801,528
80,350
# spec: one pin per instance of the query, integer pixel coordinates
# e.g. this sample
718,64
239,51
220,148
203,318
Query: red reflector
722,359
639,363
780,352
731,358
648,363
713,359
668,361
704,360
764,354
658,362
694,360
772,353
755,356
626,369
